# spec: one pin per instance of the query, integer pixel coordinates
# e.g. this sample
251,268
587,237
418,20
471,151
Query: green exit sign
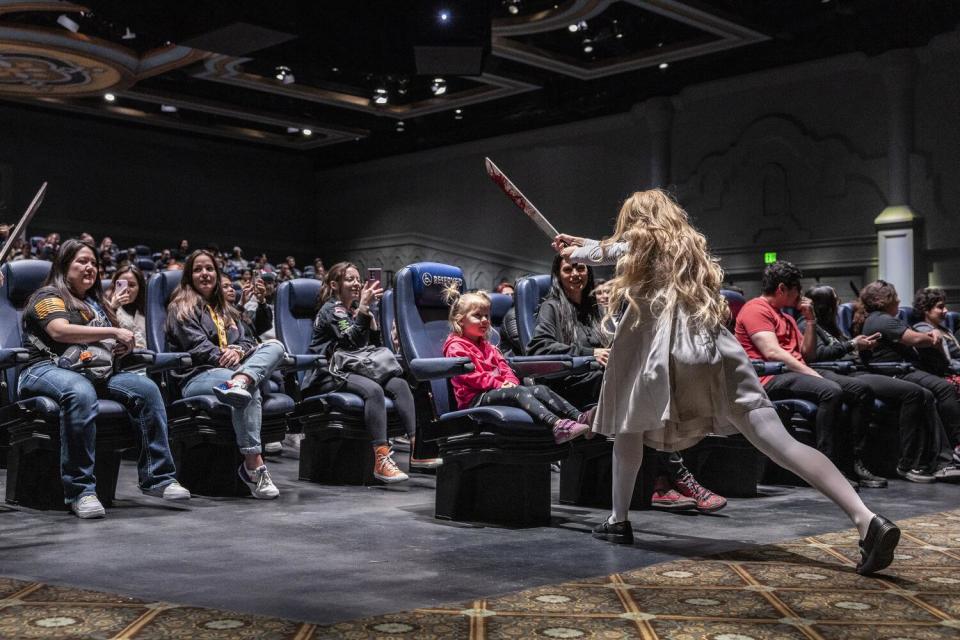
769,257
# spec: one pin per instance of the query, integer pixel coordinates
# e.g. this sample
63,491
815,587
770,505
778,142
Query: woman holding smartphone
127,297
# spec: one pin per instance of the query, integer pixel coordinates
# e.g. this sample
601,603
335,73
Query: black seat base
725,465
336,449
586,476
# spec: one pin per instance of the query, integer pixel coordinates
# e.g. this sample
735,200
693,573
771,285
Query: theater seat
30,426
202,437
336,447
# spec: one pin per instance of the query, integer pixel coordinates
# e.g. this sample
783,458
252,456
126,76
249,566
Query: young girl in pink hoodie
492,382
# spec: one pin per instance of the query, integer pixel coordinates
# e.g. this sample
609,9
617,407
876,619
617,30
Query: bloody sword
24,221
519,199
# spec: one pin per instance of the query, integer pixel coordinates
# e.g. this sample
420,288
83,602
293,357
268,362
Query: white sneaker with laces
259,481
291,445
273,448
234,393
88,506
172,491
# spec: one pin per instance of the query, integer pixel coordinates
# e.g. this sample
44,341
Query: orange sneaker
384,468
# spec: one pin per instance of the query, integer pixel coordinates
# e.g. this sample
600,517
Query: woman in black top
344,321
69,310
226,360
915,403
876,312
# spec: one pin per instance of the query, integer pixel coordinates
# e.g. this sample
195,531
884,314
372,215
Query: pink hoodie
490,368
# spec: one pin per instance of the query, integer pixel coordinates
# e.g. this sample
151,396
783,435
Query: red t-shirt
759,315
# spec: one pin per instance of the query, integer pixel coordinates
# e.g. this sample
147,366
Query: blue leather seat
201,431
30,427
336,447
496,460
529,292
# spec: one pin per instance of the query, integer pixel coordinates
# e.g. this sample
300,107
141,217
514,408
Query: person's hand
246,292
229,358
260,290
564,240
935,337
371,291
865,343
805,307
602,355
120,298
126,341
507,385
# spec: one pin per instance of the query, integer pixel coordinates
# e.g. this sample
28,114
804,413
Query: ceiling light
293,130
513,9
68,23
587,46
168,108
458,114
380,96
400,126
109,97
664,65
444,16
128,35
284,75
335,69
439,86
308,132
573,28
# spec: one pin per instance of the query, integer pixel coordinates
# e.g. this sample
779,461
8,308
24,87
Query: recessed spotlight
400,127
664,65
439,86
335,69
380,96
308,132
513,9
168,108
573,28
293,130
444,16
109,97
128,35
284,75
68,23
458,114
587,45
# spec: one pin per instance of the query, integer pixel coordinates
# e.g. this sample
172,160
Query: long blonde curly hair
667,264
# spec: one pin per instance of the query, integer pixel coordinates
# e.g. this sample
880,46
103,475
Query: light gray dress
670,383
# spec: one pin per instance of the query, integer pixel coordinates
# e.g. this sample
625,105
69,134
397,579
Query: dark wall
155,187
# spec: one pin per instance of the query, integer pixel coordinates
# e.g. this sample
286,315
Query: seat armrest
889,368
12,357
437,368
842,367
540,366
302,362
764,368
170,361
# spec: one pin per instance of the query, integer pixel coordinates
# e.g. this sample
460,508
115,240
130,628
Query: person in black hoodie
915,404
226,360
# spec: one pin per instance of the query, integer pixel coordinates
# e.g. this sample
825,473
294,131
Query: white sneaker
259,482
273,448
948,472
233,393
291,445
172,491
88,506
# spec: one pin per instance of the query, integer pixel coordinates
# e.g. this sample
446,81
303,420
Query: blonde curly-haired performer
675,373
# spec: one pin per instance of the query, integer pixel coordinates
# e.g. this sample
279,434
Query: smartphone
120,286
375,275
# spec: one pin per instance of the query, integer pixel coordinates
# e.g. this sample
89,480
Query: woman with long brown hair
226,361
69,310
675,373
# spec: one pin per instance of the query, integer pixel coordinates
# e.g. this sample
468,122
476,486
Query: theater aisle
323,554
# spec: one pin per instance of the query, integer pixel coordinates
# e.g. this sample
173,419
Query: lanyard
221,331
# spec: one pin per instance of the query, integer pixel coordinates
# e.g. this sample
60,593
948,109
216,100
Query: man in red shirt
768,334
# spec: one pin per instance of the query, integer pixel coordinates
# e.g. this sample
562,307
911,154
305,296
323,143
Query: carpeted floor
800,589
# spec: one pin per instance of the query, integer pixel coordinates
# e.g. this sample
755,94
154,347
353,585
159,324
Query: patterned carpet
801,589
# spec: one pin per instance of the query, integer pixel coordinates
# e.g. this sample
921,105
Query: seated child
492,382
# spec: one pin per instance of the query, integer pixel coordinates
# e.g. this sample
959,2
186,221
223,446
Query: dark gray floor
323,554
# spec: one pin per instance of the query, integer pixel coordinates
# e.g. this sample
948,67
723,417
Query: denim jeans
77,398
246,421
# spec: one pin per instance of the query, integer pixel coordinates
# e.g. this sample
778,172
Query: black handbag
376,363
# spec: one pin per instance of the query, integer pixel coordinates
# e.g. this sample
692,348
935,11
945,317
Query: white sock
627,457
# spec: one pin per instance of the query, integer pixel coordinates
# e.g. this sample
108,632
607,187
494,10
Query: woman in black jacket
344,321
916,404
226,360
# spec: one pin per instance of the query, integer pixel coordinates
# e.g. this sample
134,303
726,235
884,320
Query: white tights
762,427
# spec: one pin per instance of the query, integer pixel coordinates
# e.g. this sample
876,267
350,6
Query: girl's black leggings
542,403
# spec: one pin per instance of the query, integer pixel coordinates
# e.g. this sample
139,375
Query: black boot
619,533
867,479
876,548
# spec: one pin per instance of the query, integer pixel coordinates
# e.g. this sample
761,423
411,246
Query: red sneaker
666,498
707,501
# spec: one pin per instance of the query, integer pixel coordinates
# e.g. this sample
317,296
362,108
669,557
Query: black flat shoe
619,533
876,549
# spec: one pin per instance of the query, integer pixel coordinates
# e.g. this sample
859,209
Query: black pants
828,396
947,404
374,407
542,403
580,390
917,432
